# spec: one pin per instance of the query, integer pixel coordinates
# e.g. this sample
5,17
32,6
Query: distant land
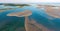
12,4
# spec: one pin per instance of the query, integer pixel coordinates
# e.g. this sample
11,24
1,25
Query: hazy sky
29,1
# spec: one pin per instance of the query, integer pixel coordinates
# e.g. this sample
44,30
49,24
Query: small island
11,4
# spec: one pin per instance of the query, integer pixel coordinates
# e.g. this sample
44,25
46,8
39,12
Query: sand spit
20,14
2,10
34,26
30,25
25,14
53,11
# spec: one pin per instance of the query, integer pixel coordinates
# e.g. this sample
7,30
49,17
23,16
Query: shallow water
39,15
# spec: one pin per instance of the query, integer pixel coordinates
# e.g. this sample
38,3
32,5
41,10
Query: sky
29,1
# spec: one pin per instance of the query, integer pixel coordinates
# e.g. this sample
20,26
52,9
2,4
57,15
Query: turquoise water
12,23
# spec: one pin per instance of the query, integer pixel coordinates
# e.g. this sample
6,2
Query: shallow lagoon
13,23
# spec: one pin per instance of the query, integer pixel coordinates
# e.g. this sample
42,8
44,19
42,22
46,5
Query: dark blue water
39,15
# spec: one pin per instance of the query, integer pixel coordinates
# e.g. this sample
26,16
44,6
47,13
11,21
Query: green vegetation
16,5
19,5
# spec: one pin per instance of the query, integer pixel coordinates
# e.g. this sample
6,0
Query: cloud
25,1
